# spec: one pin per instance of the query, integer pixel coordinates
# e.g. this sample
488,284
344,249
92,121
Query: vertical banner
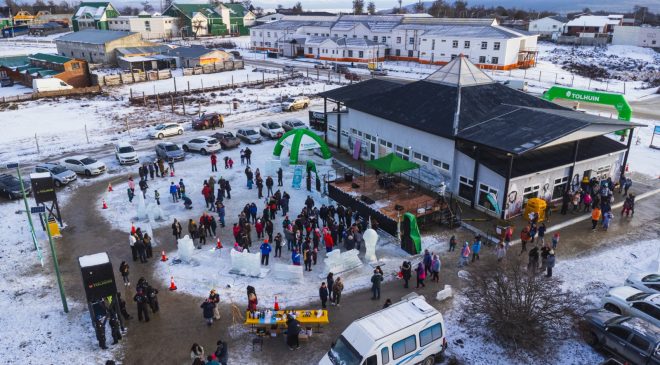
297,177
356,149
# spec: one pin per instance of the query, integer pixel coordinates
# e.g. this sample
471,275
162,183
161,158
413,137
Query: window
484,190
496,46
385,355
466,44
397,52
560,186
75,65
375,38
332,128
482,59
402,152
405,346
410,53
350,53
420,157
360,54
383,39
465,188
648,309
454,44
639,342
622,333
433,44
494,60
268,34
398,40
531,192
371,360
484,45
411,40
453,56
366,38
430,334
603,172
310,50
354,35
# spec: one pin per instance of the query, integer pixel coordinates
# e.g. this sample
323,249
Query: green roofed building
197,19
237,18
93,15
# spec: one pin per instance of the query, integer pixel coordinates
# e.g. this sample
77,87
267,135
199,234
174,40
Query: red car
205,121
352,76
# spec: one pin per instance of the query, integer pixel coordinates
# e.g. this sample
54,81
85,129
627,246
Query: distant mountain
560,6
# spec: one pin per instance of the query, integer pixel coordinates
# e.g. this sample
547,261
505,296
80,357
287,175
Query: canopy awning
392,164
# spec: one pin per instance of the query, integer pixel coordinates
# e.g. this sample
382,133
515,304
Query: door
637,350
617,339
372,151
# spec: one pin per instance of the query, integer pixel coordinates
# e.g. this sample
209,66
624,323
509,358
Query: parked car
166,130
291,104
629,301
84,165
290,124
516,84
322,66
206,120
236,54
227,140
379,72
271,130
645,281
392,336
633,339
61,175
51,84
248,135
10,186
6,82
125,154
339,68
203,145
352,76
288,68
169,150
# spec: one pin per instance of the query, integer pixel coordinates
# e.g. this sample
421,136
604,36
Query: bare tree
371,8
197,25
358,7
297,9
146,6
419,7
523,310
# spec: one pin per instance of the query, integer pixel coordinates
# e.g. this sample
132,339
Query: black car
10,186
227,140
632,339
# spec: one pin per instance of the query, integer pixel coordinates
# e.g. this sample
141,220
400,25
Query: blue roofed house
98,46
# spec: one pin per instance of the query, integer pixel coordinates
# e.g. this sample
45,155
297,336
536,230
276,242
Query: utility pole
42,210
27,210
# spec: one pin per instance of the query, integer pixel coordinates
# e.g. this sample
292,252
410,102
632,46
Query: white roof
39,175
93,260
362,333
592,21
459,72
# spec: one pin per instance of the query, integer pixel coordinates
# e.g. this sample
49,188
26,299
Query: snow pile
625,63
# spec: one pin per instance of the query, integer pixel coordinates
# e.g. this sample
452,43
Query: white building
548,26
150,26
475,135
341,49
644,36
593,26
401,37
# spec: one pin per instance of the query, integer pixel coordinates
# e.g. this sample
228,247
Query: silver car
647,282
61,175
629,301
248,135
169,150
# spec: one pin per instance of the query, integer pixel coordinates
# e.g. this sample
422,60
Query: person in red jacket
214,161
259,227
327,238
524,237
206,191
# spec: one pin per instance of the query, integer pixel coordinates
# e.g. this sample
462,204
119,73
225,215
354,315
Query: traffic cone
171,173
110,187
163,257
277,305
172,285
219,244
105,205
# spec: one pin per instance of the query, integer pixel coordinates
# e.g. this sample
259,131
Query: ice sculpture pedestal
186,248
338,262
288,273
246,264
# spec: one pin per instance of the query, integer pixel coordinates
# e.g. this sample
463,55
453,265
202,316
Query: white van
408,332
51,84
516,84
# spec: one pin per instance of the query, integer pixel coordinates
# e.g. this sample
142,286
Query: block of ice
288,273
186,249
245,263
337,261
370,239
141,208
444,293
155,213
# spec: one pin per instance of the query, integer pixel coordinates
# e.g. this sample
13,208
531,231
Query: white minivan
408,332
51,84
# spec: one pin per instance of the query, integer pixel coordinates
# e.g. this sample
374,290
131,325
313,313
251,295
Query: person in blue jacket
265,252
173,192
476,247
295,257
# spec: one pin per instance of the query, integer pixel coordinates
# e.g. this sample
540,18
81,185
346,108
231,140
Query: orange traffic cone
219,244
110,187
277,305
172,285
105,205
163,257
171,173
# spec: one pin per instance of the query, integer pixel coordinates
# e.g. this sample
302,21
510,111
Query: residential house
93,15
145,58
197,55
548,26
593,26
644,36
476,136
24,69
154,26
236,17
97,46
197,19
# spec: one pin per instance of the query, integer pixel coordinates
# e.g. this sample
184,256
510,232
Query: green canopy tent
297,140
392,164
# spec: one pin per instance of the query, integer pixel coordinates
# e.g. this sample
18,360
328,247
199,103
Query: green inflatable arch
301,139
616,100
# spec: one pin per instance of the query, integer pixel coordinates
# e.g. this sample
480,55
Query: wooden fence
51,94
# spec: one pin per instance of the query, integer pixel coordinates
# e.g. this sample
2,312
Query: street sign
12,165
35,210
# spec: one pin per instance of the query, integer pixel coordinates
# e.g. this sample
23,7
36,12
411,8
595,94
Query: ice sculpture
289,273
337,261
155,213
245,263
141,208
186,249
445,293
370,239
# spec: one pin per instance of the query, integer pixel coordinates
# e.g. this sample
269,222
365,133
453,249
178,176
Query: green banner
618,101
